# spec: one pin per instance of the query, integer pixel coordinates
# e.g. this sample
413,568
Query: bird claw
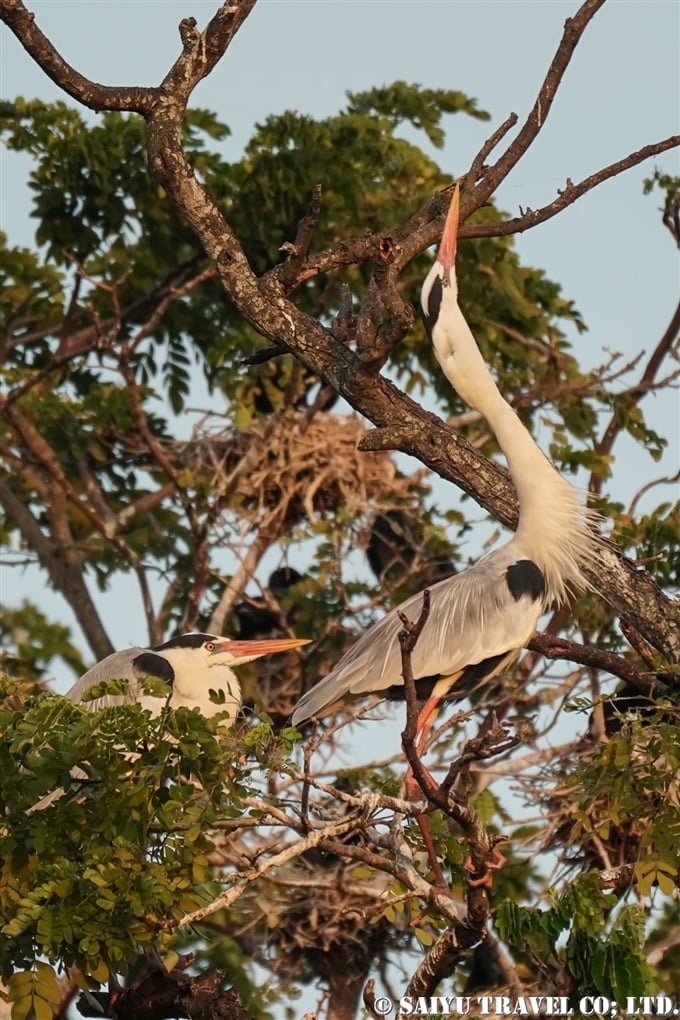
494,863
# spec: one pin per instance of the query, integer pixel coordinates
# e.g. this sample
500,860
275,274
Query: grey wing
119,666
473,616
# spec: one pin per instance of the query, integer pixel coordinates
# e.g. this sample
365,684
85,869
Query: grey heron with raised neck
482,617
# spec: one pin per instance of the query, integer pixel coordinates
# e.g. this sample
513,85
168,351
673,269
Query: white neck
553,524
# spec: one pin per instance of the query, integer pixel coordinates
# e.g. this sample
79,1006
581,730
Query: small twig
287,274
666,480
369,999
306,786
494,741
262,356
477,166
634,395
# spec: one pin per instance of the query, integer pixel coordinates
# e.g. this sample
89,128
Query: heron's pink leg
425,722
439,880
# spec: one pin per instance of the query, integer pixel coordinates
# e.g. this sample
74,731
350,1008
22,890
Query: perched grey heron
481,618
197,669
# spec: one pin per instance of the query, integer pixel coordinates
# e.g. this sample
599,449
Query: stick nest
300,466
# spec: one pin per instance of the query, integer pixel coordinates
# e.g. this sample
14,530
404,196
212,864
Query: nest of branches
299,465
328,921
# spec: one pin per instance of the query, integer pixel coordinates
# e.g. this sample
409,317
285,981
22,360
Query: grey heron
196,668
483,616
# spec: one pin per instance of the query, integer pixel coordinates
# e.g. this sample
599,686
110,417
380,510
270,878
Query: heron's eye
209,646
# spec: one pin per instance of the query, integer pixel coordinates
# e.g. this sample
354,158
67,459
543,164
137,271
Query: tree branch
235,890
201,51
159,993
597,658
569,194
573,31
65,575
636,393
89,93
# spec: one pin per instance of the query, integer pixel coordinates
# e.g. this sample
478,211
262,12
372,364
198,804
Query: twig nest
300,465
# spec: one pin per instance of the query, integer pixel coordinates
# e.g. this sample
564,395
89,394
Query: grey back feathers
489,610
123,665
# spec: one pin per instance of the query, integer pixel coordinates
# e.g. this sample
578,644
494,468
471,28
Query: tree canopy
173,351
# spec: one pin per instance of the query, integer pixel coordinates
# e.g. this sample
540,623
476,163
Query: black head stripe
186,641
434,300
525,578
150,664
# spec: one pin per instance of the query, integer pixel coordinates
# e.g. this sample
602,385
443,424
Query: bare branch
644,489
596,658
233,591
235,890
573,32
569,194
477,168
425,226
635,394
64,568
201,51
408,639
287,273
89,93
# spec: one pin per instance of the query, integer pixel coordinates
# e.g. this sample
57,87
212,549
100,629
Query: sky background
609,251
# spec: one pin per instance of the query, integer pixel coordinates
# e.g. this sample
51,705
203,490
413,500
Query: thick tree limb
442,959
65,574
633,594
597,658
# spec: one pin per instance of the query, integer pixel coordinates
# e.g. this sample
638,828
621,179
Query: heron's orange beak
254,649
447,248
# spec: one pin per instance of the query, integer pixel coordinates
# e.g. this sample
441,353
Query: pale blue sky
622,90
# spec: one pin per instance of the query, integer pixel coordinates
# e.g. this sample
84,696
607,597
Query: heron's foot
494,863
412,787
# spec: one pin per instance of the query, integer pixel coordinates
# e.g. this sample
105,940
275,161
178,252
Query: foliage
31,642
107,469
596,955
93,874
